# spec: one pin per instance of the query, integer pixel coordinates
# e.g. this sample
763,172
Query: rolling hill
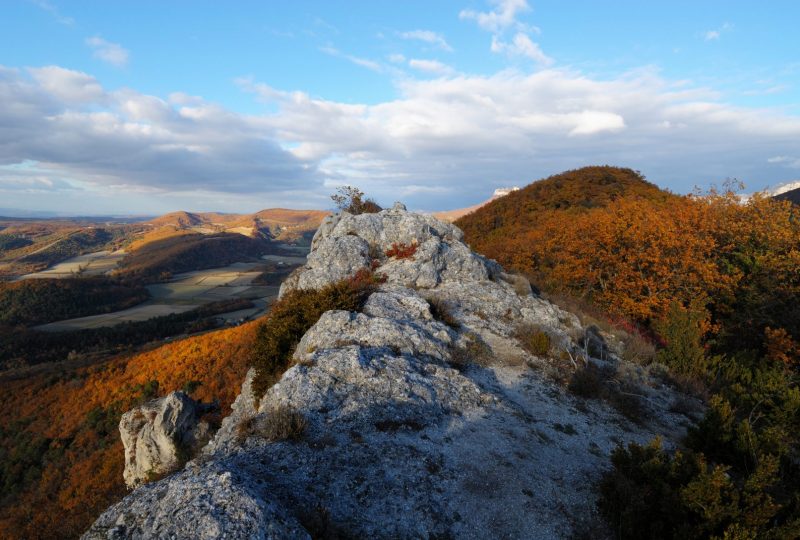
573,192
274,223
59,442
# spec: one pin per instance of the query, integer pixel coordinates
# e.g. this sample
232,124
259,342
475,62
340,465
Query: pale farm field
90,264
190,290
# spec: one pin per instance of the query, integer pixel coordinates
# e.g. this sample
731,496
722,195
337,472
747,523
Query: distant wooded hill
792,196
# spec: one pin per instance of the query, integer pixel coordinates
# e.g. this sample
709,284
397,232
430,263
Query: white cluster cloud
469,134
504,18
54,12
499,19
430,66
428,37
363,62
714,35
113,53
521,45
788,161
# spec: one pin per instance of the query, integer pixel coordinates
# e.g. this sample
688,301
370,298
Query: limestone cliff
415,428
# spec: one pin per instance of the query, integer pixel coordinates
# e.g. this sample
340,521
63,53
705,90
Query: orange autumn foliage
607,235
81,472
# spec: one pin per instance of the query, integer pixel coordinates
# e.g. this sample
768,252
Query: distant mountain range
276,223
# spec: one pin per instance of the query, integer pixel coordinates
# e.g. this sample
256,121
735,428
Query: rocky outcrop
160,434
425,415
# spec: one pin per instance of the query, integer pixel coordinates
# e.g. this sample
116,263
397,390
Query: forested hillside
715,284
38,301
60,450
159,259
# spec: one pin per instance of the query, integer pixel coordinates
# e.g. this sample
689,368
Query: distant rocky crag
427,414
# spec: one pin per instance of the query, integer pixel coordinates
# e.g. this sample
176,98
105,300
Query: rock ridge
403,441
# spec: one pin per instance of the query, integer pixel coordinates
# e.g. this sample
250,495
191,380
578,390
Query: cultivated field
190,290
90,264
139,313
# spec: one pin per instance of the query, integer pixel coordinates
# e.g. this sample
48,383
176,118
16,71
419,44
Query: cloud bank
445,141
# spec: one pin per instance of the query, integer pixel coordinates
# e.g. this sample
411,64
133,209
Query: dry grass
612,386
282,423
638,350
534,340
520,283
279,424
476,352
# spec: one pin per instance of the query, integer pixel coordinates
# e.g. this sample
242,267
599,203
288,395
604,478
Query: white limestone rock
157,433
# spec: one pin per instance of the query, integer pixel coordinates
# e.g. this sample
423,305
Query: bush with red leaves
401,250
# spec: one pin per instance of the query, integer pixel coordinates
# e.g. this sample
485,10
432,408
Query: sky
140,108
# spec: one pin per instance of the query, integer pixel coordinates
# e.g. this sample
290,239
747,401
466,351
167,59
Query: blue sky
146,107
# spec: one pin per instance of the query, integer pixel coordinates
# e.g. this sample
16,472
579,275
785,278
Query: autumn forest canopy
608,235
714,283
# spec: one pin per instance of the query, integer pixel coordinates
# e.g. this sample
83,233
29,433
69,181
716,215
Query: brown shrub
605,383
351,199
282,423
590,381
294,314
520,283
533,339
638,350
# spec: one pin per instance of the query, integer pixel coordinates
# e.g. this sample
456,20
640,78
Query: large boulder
161,434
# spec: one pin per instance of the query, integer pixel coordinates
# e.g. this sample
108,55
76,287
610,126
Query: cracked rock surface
400,443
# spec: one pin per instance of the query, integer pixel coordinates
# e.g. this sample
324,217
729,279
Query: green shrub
293,315
682,332
641,496
189,387
652,494
743,478
533,339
